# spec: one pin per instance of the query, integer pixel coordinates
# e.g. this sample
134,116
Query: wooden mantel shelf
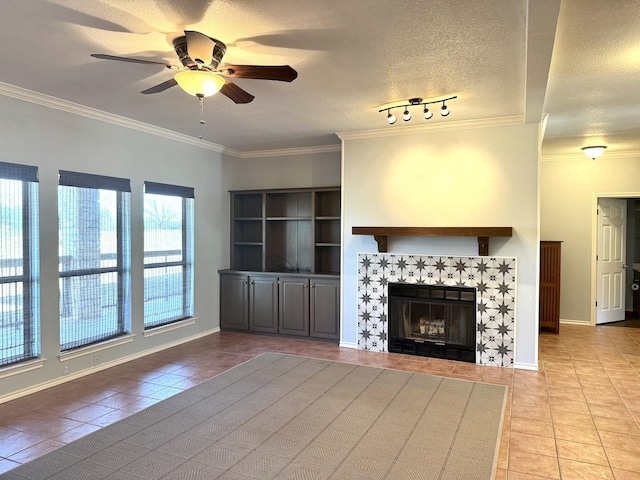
380,234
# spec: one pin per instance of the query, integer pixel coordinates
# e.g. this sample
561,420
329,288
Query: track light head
444,111
391,118
427,113
406,115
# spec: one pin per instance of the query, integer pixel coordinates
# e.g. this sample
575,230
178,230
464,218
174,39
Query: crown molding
394,131
95,114
290,151
580,156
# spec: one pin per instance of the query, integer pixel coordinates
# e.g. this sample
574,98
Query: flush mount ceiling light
417,102
594,152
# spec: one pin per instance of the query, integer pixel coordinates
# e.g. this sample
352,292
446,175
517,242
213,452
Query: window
168,253
19,296
94,262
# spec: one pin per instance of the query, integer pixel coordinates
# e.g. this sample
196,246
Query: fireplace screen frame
433,320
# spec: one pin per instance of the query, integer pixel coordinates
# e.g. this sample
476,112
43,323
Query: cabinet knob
245,282
253,283
305,286
313,286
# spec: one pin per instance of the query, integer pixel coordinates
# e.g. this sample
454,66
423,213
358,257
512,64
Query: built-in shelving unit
293,230
285,263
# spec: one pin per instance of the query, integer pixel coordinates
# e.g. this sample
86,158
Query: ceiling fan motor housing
180,46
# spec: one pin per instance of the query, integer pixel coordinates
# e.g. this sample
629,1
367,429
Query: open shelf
288,230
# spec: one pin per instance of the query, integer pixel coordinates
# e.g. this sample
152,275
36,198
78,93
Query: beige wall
473,177
568,188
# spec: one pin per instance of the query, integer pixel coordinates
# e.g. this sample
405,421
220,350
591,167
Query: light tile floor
575,419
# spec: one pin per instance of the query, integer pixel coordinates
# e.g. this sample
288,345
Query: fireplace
493,279
432,321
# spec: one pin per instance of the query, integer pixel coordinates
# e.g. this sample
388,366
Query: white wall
54,140
567,191
473,177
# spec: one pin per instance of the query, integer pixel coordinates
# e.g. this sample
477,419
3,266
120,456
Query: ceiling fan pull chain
202,122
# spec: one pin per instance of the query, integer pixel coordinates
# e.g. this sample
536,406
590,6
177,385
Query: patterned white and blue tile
494,279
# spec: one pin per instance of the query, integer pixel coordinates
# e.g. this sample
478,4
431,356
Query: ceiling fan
201,73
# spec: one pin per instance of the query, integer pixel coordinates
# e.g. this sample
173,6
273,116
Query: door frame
594,245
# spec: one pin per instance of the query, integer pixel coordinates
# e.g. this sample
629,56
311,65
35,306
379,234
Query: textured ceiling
351,56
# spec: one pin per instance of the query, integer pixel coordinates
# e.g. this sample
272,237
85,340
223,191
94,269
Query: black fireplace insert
433,321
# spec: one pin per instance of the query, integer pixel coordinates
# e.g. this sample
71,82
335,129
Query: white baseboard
526,366
568,321
348,345
103,366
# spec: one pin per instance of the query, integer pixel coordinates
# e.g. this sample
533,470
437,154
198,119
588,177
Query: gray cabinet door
234,302
263,304
325,302
293,314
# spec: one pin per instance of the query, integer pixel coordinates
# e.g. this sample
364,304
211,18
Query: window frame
122,268
187,250
28,175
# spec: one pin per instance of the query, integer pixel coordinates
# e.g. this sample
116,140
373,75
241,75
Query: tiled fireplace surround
493,277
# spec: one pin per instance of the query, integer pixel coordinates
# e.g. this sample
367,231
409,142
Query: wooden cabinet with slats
550,256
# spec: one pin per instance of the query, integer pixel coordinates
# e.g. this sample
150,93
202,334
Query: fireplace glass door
435,321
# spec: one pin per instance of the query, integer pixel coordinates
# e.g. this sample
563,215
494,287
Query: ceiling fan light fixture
594,152
199,83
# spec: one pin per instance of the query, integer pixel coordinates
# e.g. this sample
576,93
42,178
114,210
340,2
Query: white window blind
168,253
94,258
19,295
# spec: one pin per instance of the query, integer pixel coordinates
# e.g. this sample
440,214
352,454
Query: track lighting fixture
412,102
594,151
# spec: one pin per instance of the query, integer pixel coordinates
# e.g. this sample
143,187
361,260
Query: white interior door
610,263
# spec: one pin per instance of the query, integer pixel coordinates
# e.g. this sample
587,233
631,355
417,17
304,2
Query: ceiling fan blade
161,87
199,47
283,73
235,93
104,56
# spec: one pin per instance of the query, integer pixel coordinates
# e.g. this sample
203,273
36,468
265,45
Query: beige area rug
290,417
